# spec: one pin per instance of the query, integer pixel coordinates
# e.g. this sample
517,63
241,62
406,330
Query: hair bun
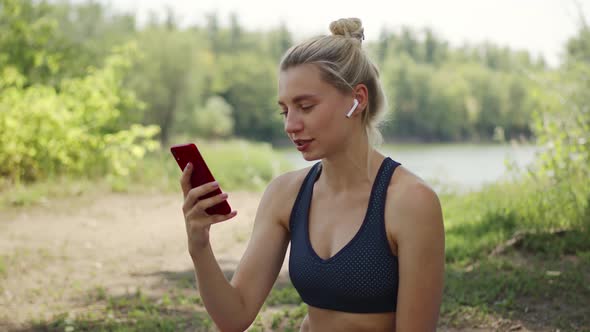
348,27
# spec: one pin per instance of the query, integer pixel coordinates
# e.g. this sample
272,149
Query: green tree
215,119
28,39
562,128
251,92
46,131
162,76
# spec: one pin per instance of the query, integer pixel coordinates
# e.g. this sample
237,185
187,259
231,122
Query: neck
353,167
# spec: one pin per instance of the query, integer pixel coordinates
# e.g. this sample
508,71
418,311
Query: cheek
332,124
324,121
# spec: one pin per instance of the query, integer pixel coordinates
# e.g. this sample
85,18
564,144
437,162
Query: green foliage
47,41
578,47
557,244
562,126
438,92
239,164
166,77
553,194
475,106
478,222
75,130
248,83
236,164
285,295
88,31
215,119
28,39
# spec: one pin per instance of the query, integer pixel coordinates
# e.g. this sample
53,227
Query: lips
300,142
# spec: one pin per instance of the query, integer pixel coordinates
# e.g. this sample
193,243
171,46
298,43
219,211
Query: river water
451,166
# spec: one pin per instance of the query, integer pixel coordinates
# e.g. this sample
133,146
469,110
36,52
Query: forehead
302,79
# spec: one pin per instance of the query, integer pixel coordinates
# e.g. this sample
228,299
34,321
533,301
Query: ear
361,93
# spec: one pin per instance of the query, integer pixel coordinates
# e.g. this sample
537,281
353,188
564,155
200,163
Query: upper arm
261,263
420,244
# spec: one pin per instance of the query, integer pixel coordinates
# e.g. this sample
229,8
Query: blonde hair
343,64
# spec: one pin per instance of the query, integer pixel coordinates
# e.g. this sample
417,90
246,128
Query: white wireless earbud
356,103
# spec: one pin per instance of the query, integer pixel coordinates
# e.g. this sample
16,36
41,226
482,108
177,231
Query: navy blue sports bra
363,276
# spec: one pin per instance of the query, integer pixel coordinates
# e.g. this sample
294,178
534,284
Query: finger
217,218
193,195
185,179
200,208
223,217
211,201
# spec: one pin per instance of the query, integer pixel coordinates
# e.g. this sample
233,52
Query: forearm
222,301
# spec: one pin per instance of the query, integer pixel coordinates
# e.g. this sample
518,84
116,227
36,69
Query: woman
367,236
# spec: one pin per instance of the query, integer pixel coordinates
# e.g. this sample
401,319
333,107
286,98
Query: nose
293,123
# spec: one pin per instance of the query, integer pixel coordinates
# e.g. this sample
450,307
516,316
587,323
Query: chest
334,220
340,258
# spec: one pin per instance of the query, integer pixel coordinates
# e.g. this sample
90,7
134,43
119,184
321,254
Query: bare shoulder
412,207
415,217
281,192
409,192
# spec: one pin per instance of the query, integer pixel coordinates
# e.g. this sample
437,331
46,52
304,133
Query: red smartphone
185,153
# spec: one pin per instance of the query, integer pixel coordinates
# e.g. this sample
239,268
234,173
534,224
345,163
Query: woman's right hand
197,220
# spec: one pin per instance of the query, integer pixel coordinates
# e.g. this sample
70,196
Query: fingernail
214,184
187,166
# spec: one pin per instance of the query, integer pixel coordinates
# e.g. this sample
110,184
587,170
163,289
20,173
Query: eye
307,108
283,113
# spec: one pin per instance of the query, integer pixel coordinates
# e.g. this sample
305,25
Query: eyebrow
299,98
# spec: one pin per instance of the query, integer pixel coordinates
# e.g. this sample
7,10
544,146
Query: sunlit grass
169,312
131,312
236,164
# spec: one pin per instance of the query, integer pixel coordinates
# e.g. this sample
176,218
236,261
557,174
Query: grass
170,312
236,164
180,308
283,295
41,193
537,290
522,285
131,312
477,222
2,267
20,259
517,252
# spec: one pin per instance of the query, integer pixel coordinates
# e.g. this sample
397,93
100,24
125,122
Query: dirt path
55,255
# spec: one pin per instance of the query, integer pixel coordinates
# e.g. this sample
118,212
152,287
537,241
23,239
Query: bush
72,130
562,127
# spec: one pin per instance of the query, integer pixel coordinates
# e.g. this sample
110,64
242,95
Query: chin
311,156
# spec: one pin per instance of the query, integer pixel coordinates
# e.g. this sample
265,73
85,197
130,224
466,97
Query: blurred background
489,102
